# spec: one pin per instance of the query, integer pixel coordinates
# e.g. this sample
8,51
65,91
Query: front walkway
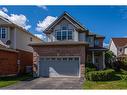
48,83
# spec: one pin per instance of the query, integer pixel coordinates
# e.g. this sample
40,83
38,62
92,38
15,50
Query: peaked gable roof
73,21
69,18
19,27
120,42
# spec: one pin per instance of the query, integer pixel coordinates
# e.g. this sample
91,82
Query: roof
13,24
120,42
8,49
97,48
2,44
122,56
59,43
73,21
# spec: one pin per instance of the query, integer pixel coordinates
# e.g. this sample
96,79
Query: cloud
43,7
4,9
38,35
105,45
20,19
42,25
41,36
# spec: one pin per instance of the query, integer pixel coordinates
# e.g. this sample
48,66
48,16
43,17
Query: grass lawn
6,81
118,84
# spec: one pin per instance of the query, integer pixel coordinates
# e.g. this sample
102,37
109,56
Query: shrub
87,69
116,66
90,65
103,75
123,65
123,77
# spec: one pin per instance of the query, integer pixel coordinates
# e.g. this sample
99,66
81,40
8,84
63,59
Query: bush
116,66
90,65
123,77
87,69
104,75
123,65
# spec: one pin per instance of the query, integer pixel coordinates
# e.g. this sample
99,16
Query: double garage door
59,66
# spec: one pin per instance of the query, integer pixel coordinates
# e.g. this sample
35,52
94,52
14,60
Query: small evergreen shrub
103,75
87,69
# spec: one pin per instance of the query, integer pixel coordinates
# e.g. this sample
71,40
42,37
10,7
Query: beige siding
125,50
82,37
23,39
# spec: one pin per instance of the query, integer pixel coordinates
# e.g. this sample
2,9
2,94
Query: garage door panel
56,68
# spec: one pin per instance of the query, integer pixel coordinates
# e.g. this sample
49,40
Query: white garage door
59,66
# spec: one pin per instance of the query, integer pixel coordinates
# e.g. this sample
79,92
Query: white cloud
38,35
42,25
105,45
41,36
43,7
20,19
4,9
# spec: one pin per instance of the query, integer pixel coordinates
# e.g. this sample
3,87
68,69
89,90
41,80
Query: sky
109,21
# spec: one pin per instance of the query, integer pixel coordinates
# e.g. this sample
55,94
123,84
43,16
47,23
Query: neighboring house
118,46
17,38
69,47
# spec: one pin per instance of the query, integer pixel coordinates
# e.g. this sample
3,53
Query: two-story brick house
69,47
14,49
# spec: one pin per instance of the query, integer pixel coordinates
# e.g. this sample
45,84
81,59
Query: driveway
48,83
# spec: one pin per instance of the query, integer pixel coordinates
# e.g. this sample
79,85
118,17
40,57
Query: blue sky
110,21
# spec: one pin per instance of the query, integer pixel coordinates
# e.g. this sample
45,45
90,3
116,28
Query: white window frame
6,29
67,31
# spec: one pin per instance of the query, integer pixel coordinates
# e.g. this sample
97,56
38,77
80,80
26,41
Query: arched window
64,33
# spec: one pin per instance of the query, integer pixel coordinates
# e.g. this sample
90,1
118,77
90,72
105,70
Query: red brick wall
8,62
68,50
77,50
26,59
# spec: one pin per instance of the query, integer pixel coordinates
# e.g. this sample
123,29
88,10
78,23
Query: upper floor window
96,42
64,34
3,32
90,39
31,39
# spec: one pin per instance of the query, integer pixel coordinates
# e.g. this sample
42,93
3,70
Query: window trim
67,34
5,32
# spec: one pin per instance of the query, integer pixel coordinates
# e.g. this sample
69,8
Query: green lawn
118,84
6,81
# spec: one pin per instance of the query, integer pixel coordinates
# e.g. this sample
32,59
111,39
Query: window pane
64,35
3,32
0,32
58,35
69,35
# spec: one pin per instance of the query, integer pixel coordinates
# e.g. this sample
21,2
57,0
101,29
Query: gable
68,18
64,22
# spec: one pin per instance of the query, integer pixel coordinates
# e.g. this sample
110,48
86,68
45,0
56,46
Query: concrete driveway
48,83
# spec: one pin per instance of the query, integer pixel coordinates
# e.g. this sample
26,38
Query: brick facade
64,50
26,59
8,63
